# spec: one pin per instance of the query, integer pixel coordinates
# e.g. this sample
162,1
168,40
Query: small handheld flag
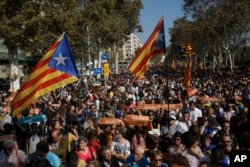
187,76
186,49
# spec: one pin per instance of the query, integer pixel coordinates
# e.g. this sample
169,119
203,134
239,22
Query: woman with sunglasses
120,146
177,146
156,159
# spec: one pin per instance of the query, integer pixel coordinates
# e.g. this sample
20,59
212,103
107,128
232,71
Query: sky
152,12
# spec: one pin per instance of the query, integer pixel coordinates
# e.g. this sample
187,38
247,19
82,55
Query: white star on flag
60,59
160,37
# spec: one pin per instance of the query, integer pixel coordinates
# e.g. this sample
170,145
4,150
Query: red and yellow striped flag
173,65
201,66
187,75
155,45
56,69
186,50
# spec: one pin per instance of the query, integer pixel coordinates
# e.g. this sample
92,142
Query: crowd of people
201,133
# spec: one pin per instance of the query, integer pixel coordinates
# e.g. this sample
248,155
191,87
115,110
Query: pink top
87,157
138,141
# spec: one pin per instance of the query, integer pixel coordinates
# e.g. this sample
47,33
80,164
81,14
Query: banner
28,120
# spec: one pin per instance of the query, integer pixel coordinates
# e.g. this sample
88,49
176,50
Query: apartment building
130,47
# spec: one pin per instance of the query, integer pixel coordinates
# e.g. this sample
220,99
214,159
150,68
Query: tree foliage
110,21
33,25
216,25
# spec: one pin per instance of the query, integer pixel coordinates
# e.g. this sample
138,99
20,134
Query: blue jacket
163,165
142,163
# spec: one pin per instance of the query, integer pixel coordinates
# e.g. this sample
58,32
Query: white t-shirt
184,126
194,114
32,143
17,156
6,119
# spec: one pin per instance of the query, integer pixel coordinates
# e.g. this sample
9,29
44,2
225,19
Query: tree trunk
116,62
230,61
14,69
214,62
13,55
219,59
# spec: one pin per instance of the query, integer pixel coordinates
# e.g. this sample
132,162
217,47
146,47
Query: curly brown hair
179,159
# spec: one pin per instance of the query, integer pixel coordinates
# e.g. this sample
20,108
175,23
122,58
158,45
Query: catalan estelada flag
187,75
187,49
154,46
56,68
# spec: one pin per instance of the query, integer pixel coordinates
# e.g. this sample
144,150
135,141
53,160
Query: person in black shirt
106,158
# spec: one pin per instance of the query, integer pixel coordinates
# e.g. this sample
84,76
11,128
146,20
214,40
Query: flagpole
167,93
190,72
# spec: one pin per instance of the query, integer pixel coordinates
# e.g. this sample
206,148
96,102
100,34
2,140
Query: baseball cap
154,132
172,116
118,113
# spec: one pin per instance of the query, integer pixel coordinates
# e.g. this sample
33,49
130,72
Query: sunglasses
227,141
157,160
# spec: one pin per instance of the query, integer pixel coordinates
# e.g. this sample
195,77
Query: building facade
130,47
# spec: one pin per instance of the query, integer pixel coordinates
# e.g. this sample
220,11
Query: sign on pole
104,57
97,71
106,69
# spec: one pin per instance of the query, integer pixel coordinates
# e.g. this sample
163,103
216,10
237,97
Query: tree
91,25
222,30
110,21
33,25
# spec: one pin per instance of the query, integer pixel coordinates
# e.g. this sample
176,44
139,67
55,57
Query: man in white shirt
195,112
34,139
185,123
14,156
131,95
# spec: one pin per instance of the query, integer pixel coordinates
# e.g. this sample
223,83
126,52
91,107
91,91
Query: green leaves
33,25
212,24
